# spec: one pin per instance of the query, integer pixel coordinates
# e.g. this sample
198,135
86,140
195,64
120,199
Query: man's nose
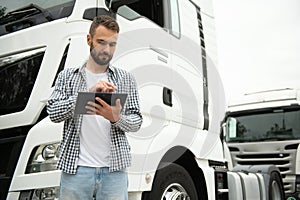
106,47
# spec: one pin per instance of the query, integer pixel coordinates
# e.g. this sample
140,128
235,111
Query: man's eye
112,44
102,43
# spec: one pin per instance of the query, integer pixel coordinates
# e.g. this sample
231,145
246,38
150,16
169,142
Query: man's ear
89,39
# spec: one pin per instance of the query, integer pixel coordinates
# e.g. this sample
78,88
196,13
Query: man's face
103,45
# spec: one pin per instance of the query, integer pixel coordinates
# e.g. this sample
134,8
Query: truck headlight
43,158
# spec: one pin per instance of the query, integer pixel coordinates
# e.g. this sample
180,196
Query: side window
152,9
174,18
164,13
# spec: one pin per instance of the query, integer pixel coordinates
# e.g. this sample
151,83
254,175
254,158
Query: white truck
169,46
264,128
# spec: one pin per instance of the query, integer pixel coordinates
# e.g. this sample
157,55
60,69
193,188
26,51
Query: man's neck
94,67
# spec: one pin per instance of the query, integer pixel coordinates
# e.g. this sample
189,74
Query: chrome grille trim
268,153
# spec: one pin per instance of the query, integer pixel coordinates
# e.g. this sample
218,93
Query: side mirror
229,128
114,5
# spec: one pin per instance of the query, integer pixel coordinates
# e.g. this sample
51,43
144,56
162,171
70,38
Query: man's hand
103,86
111,113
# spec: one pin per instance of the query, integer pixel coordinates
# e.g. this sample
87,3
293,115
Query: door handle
167,96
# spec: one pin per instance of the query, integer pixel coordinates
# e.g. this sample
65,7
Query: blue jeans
94,183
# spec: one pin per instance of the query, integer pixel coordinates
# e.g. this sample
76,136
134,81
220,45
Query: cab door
144,50
187,62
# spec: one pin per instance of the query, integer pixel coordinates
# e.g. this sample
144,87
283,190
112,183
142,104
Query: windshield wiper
24,12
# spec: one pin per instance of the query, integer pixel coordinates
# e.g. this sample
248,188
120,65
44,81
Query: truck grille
267,153
11,143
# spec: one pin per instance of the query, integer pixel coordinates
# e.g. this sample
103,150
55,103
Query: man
94,151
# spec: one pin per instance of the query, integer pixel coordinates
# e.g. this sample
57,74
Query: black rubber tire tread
171,173
274,176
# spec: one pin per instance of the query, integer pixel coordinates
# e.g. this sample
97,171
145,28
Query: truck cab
162,43
263,128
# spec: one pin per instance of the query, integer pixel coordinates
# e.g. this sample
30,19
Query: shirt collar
110,70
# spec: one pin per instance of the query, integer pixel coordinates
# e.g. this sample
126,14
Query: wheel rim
175,192
276,194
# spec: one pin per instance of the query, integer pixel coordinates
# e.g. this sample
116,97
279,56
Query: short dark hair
106,21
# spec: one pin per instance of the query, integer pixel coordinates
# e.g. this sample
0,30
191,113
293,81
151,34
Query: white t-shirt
95,133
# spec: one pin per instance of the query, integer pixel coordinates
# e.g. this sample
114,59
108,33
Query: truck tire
172,182
275,187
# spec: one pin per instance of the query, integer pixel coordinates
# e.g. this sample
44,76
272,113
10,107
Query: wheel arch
185,158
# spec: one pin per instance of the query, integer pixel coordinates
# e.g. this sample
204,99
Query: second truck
264,128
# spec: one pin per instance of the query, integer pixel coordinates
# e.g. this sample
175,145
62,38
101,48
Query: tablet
109,98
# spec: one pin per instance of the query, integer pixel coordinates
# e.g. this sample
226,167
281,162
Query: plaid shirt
61,106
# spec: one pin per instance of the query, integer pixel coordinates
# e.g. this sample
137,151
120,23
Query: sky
258,45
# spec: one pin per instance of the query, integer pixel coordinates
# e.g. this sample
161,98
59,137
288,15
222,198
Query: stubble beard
97,56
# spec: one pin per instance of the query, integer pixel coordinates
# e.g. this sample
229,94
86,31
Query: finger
101,102
91,113
94,107
109,84
94,110
110,87
117,110
111,90
102,86
92,104
106,83
118,105
90,109
107,89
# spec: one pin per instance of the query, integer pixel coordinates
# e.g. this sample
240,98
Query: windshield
276,124
10,5
17,15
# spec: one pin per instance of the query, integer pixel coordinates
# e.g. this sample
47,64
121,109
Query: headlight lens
43,158
49,152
